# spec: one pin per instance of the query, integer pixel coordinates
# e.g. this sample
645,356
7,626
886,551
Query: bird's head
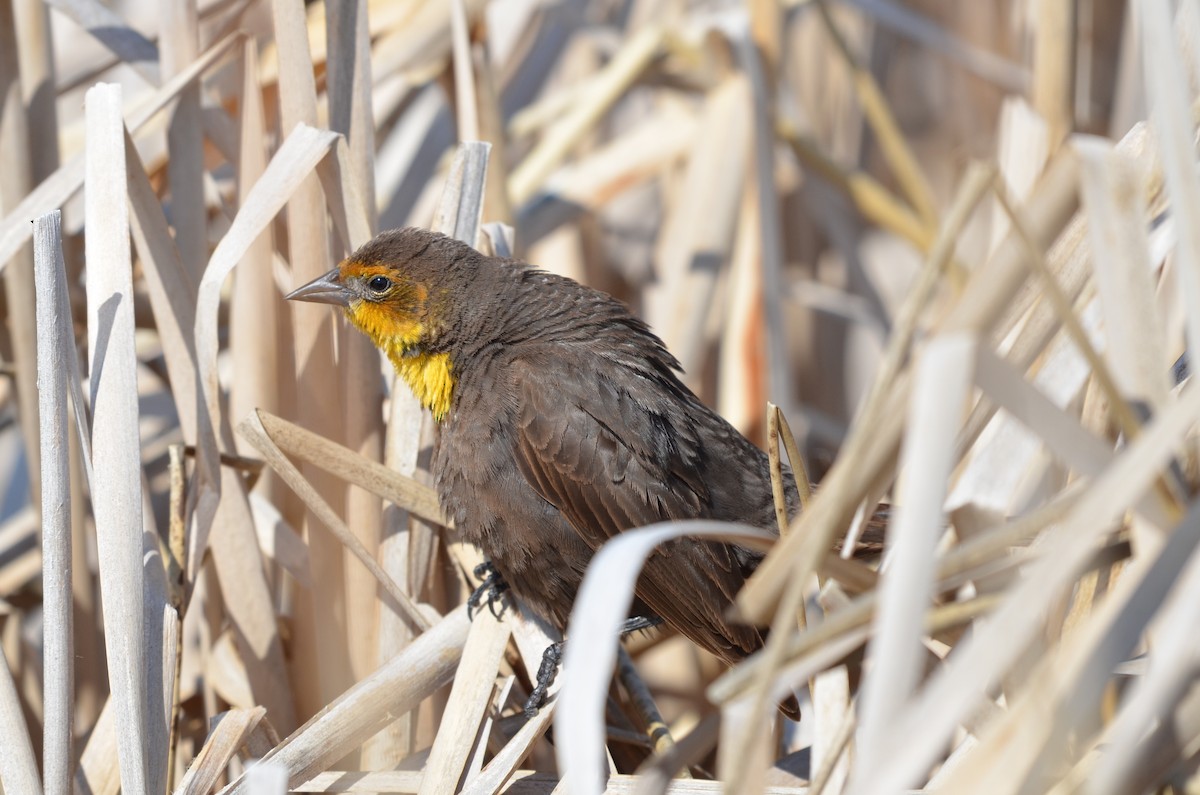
381,300
394,289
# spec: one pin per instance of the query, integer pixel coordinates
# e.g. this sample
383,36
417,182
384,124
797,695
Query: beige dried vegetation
957,246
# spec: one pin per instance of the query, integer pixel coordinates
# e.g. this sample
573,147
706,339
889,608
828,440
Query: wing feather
605,482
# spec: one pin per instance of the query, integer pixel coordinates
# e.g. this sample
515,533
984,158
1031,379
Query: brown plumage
562,423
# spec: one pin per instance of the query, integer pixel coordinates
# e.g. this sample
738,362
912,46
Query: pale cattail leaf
171,288
396,687
278,540
296,158
1117,225
249,605
943,380
981,660
602,604
252,430
117,495
404,491
18,765
461,209
55,341
115,34
679,304
1166,85
230,731
53,192
982,303
466,707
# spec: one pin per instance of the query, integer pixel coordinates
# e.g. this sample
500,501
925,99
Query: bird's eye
379,284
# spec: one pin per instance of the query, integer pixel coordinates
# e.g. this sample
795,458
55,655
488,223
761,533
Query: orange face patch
396,324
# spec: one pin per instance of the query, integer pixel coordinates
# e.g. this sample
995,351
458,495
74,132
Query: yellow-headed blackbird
562,423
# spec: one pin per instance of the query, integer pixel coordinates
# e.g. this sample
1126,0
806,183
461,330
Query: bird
562,422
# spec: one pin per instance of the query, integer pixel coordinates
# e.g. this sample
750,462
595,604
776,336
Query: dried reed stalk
116,495
54,340
1041,479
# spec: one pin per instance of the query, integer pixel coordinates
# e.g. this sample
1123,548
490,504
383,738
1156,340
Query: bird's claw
545,677
553,656
638,624
490,590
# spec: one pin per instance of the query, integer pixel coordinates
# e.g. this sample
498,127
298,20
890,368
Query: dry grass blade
16,178
1117,211
465,709
395,688
99,772
504,764
55,347
230,733
252,431
873,200
294,161
1060,431
1053,66
239,567
795,459
117,494
1157,693
350,91
983,659
600,607
322,669
766,201
764,185
261,363
1074,675
347,202
115,34
1004,73
960,565
461,209
18,765
405,492
892,143
279,540
1071,322
467,106
1166,85
614,80
172,290
974,186
865,453
712,187
185,138
53,192
942,387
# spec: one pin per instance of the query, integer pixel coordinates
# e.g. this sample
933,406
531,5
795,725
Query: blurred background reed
957,244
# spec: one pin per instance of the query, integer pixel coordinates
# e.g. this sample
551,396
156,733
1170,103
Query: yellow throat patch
428,375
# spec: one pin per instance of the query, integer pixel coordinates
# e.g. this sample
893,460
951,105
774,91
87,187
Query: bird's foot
553,656
545,677
489,591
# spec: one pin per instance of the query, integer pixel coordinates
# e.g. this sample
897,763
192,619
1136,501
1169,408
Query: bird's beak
327,289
